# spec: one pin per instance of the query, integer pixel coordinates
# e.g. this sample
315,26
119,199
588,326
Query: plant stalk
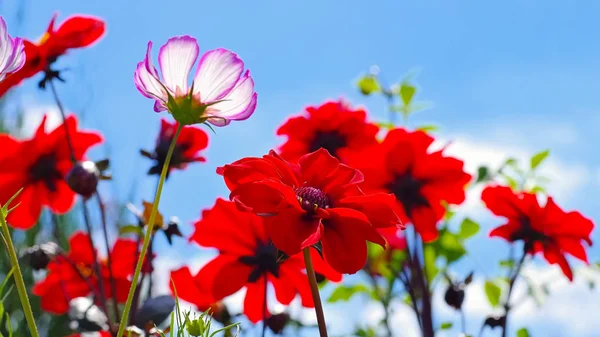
314,288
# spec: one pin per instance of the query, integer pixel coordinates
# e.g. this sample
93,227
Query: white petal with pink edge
176,59
218,72
146,79
240,102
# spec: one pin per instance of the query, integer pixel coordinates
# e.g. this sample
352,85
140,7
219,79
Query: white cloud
570,310
32,117
565,179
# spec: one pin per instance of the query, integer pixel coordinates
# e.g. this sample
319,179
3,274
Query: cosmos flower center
44,169
331,141
407,190
311,198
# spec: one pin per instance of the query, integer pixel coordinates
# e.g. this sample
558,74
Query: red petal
322,267
254,301
379,208
344,237
189,290
502,201
231,231
285,292
425,221
224,275
81,250
291,232
506,231
265,197
315,167
75,32
27,213
554,256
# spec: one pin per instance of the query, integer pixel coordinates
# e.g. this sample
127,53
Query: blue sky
506,78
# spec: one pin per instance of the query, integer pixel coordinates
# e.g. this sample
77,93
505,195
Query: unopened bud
39,256
278,322
195,327
83,178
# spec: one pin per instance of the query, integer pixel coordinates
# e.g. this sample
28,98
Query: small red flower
72,276
246,259
546,229
39,166
190,142
316,200
75,32
333,126
420,180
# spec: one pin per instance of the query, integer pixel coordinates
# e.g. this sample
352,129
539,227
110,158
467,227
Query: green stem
19,278
147,237
314,288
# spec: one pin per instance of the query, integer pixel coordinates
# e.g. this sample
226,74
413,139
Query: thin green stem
314,288
149,230
19,278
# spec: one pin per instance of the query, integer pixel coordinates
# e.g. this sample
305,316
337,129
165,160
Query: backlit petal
176,59
218,72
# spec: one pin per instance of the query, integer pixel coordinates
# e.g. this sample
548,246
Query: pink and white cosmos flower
12,52
220,92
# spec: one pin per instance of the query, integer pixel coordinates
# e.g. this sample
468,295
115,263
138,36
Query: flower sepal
186,110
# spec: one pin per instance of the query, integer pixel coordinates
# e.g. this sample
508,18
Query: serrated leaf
468,228
345,292
130,229
493,292
523,332
407,92
538,158
446,325
368,84
428,128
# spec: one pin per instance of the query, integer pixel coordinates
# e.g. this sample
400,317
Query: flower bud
278,322
83,178
454,296
39,256
195,327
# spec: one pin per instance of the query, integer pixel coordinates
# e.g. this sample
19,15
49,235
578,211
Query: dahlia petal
26,215
505,231
146,78
379,208
322,267
344,239
189,290
572,246
501,201
176,59
62,199
315,167
80,249
219,70
224,275
425,221
268,196
553,255
254,301
240,102
290,232
79,31
285,292
227,229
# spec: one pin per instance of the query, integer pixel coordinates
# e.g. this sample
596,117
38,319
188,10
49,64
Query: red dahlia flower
75,32
246,259
191,140
420,180
546,229
333,126
39,166
71,276
316,200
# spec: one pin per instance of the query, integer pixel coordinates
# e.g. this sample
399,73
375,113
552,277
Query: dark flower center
529,235
331,141
44,169
160,155
407,190
264,261
311,198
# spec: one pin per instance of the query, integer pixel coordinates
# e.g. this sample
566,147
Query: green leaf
493,292
523,332
450,246
483,174
538,158
538,189
368,84
386,125
446,325
130,229
345,292
512,183
407,92
468,228
428,128
507,263
430,267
